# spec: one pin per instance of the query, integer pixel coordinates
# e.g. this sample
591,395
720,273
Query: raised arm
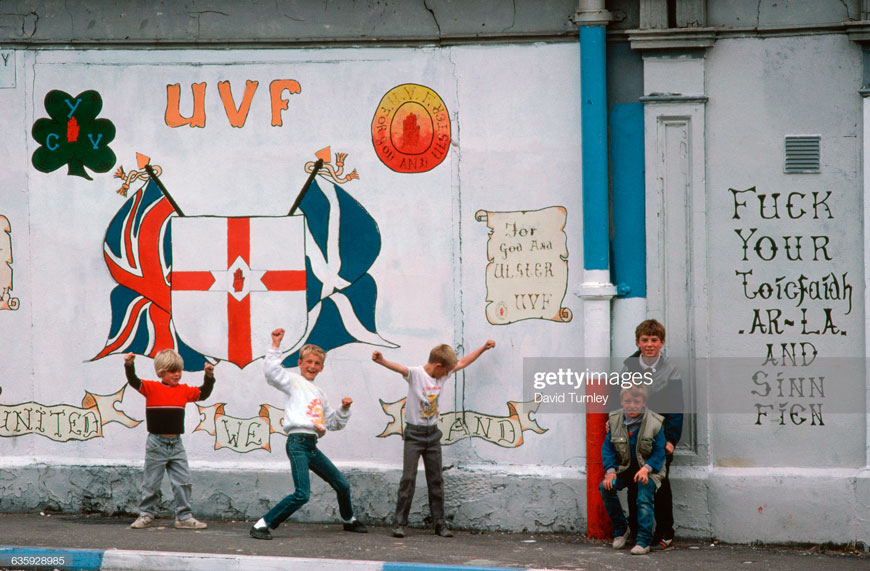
378,358
130,371
275,374
207,382
472,357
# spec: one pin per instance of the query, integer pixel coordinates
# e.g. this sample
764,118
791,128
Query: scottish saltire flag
343,241
137,254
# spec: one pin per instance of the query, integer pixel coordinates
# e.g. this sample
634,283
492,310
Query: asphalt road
329,541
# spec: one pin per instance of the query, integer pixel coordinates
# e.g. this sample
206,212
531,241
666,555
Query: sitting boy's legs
612,505
645,512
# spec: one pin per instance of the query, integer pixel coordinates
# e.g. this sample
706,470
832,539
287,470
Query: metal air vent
802,153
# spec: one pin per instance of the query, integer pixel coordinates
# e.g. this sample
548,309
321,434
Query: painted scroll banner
63,422
527,273
505,431
240,434
6,299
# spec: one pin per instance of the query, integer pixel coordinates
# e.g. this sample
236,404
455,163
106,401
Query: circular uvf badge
411,129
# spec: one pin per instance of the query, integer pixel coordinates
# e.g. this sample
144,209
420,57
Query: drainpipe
596,289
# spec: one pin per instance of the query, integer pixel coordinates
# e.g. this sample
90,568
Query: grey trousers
165,453
422,441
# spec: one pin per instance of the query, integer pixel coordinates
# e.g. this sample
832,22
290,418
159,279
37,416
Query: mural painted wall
151,205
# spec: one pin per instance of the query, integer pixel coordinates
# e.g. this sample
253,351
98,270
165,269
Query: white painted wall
515,146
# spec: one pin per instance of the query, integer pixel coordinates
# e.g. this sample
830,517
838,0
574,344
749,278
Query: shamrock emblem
73,136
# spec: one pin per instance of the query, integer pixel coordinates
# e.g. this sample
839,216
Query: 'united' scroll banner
63,422
505,431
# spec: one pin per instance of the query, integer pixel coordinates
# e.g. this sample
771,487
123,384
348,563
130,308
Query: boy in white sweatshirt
307,417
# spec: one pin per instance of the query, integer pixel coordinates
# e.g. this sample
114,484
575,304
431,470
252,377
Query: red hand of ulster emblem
238,280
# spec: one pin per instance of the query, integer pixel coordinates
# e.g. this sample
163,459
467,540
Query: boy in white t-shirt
422,436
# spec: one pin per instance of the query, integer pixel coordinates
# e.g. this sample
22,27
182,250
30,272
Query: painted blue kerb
74,559
593,87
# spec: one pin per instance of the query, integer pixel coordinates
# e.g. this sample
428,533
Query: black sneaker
398,531
662,545
356,526
260,533
442,530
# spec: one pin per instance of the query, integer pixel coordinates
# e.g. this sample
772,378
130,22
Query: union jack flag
137,254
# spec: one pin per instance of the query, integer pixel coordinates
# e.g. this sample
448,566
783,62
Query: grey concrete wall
476,498
226,22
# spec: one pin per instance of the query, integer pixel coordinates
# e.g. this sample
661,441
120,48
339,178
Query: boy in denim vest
633,454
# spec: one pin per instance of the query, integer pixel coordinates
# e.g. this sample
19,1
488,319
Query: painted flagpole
317,166
150,170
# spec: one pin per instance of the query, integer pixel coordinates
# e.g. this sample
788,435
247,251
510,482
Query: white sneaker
190,523
619,541
143,521
639,550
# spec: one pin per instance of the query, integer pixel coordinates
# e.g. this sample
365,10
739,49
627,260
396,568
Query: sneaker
143,521
640,550
356,526
442,530
398,531
190,523
260,533
663,545
619,541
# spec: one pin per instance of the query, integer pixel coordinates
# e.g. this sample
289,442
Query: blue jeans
304,456
165,453
645,507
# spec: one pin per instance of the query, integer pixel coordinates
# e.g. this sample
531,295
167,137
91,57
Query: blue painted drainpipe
593,85
595,289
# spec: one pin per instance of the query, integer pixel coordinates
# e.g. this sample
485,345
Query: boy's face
650,346
440,370
310,365
171,378
633,405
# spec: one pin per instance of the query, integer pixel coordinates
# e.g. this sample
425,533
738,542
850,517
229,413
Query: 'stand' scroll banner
505,431
240,434
63,422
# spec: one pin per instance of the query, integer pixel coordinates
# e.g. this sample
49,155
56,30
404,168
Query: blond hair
306,349
634,390
168,361
443,355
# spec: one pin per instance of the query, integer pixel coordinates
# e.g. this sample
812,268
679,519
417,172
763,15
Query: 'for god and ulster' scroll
527,274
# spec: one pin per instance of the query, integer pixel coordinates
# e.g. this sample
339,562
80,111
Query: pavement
97,542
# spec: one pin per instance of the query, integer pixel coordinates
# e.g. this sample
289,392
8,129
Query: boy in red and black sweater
164,418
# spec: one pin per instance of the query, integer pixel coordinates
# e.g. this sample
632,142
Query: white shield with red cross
234,280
